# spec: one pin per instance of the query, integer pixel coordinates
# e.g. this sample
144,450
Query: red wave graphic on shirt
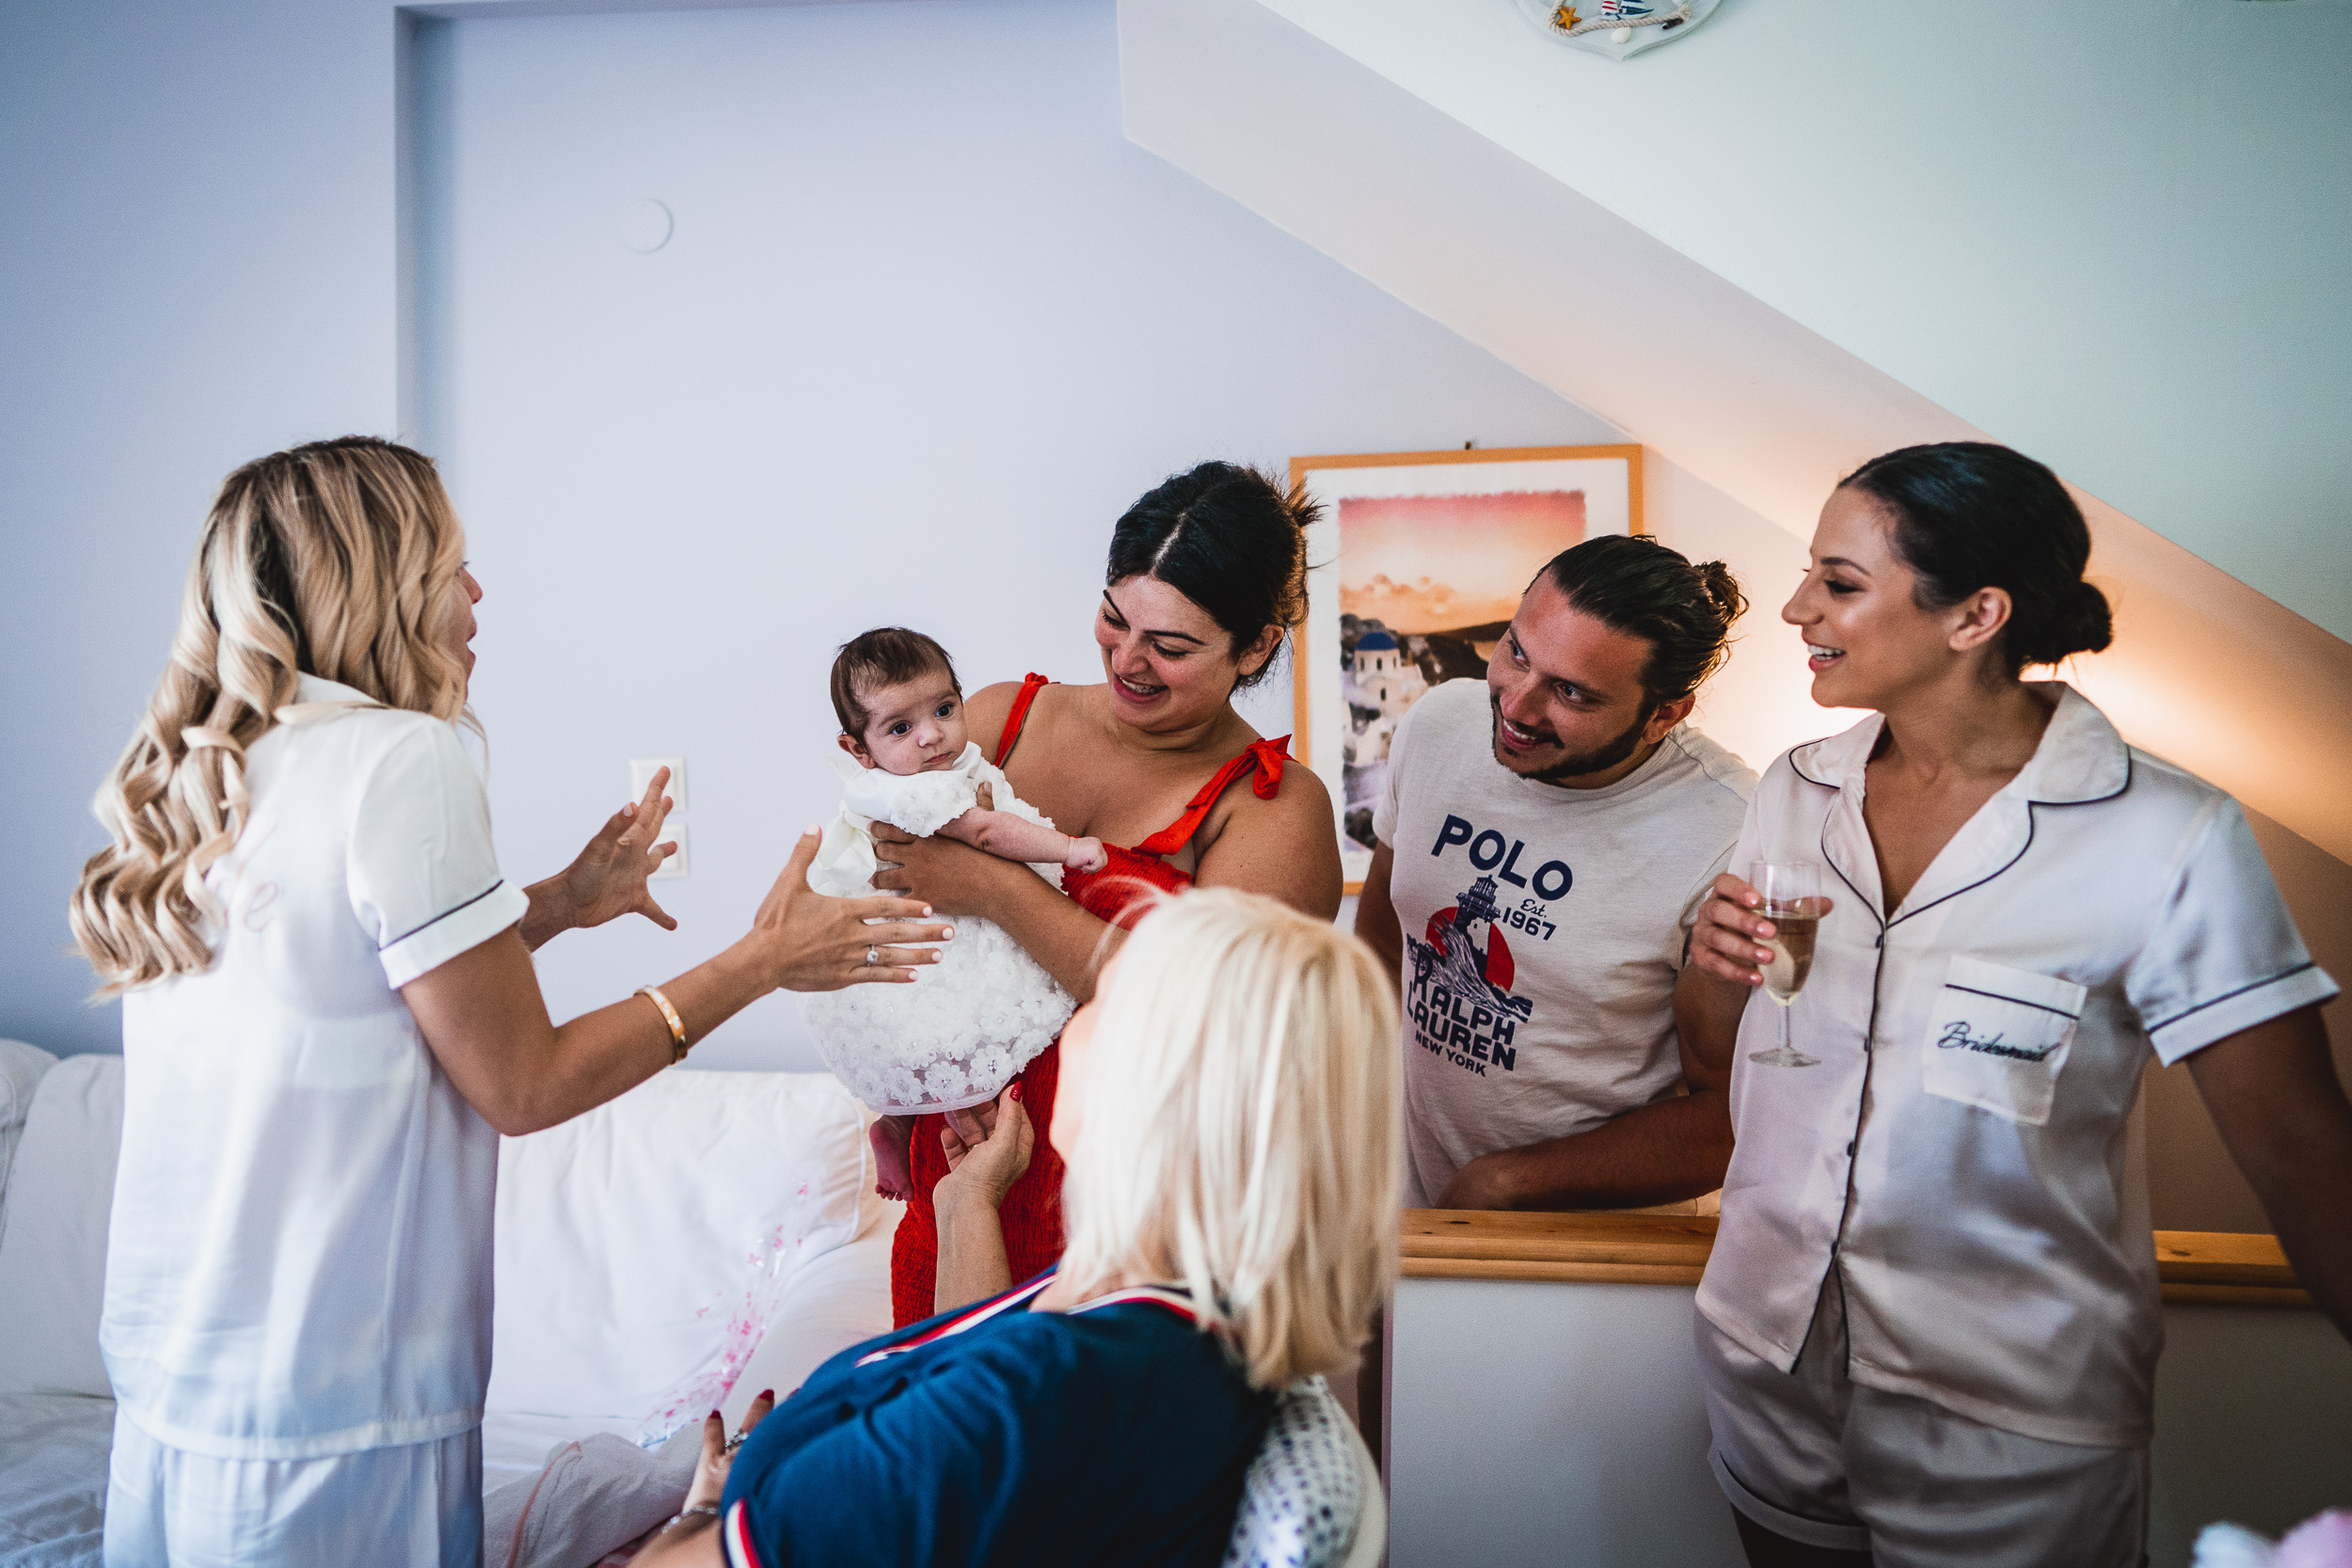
1501,968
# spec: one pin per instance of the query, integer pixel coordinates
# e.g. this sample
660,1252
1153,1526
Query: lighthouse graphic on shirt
1459,998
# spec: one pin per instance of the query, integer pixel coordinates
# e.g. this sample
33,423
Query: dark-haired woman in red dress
1206,574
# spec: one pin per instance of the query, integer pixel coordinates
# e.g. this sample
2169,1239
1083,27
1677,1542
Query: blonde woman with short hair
330,1015
1230,1109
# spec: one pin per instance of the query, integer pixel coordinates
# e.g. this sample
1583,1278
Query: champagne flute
1792,892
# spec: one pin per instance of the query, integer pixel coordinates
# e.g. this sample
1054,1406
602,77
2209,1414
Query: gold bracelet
669,1016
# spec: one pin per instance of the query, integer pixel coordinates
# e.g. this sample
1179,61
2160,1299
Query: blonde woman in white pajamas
329,1017
1929,1331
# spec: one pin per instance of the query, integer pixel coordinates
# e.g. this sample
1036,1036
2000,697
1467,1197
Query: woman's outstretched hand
988,1147
809,941
607,880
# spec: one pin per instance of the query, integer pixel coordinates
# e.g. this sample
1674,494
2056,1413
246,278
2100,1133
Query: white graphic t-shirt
1544,930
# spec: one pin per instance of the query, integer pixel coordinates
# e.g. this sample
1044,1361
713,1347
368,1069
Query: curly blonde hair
1244,1129
337,558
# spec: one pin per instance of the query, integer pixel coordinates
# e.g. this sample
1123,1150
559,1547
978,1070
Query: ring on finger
734,1442
873,958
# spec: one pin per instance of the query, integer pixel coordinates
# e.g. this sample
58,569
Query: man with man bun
1545,842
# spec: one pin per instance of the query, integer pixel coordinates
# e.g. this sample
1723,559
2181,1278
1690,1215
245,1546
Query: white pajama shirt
298,1263
1957,1152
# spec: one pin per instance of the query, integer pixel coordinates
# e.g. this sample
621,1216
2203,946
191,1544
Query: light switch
673,832
641,772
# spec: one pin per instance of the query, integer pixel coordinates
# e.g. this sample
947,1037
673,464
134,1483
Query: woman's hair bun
2094,624
1232,539
2081,624
1970,514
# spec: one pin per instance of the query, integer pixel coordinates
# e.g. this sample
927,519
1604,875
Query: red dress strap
1013,720
1263,757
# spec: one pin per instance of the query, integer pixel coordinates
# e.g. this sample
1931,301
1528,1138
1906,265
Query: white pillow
21,1069
53,1251
644,1248
837,1301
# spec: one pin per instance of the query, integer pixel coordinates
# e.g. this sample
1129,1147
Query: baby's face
915,727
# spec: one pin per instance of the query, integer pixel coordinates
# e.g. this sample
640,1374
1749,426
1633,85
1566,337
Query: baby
958,1033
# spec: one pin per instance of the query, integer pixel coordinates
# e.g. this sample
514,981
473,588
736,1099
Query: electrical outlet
641,772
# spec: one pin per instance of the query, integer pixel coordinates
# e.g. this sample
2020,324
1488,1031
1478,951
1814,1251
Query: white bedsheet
53,1479
832,1301
600,1490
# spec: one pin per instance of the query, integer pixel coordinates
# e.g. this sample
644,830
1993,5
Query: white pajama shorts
419,1506
1814,1456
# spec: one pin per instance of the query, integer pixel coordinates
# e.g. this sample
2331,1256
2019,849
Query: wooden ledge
2227,1266
1635,1249
1671,1249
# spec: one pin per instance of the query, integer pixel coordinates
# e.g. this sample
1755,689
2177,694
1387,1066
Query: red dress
1031,1213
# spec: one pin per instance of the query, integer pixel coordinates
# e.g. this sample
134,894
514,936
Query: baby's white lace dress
956,1036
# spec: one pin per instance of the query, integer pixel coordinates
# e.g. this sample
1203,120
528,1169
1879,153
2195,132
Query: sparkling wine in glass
1793,903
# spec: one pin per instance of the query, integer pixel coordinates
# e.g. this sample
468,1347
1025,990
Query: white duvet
53,1479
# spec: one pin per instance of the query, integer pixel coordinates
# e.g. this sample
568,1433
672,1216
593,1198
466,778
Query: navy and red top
1115,1432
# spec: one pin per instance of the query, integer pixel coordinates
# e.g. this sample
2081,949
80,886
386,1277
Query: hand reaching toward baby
988,1147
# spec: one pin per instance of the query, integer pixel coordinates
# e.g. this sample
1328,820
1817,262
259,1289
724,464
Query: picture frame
1431,548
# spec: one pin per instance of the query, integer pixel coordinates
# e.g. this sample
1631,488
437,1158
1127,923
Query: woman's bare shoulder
1058,705
1287,846
1055,707
1301,799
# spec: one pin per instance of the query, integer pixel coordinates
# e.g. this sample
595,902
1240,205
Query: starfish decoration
1565,17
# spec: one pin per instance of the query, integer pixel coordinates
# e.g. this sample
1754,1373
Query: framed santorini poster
1413,572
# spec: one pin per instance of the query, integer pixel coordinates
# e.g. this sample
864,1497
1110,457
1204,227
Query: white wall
928,324
199,269
206,272
971,311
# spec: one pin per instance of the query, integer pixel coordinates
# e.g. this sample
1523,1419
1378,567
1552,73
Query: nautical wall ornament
1616,28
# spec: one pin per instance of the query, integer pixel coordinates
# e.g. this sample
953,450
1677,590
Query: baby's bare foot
892,1176
1087,854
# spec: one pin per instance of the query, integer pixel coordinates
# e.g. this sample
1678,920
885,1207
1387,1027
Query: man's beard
1606,756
